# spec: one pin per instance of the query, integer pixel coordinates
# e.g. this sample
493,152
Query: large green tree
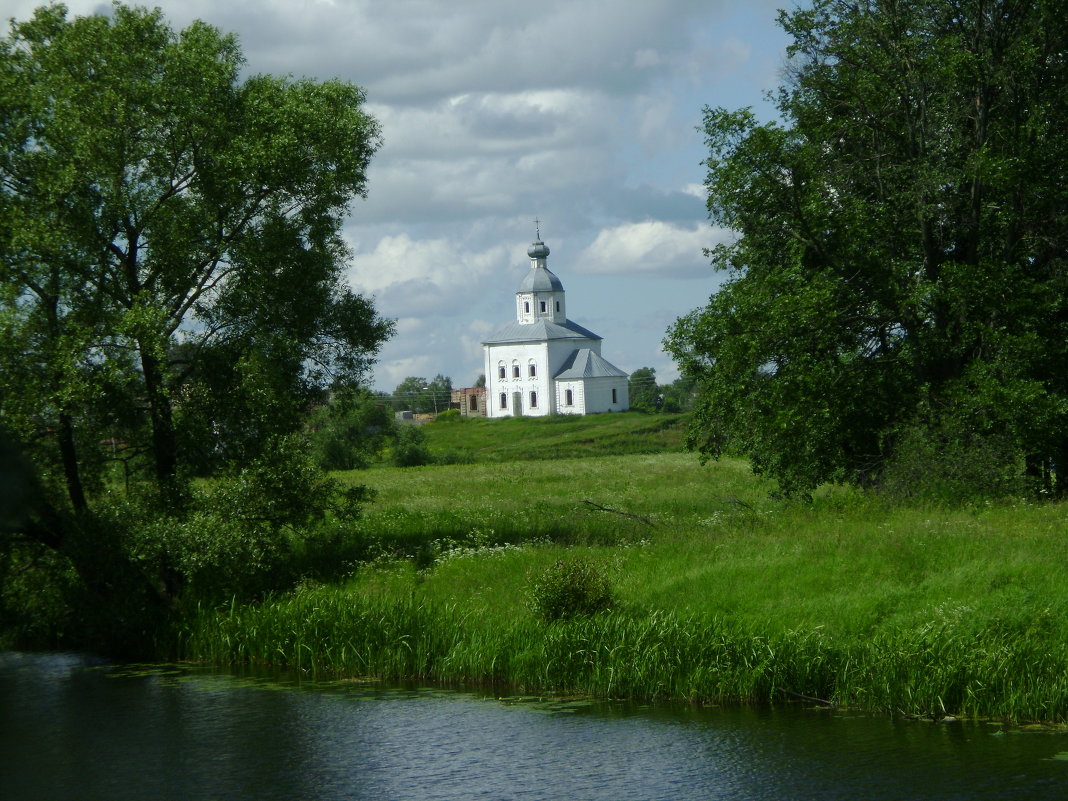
172,288
900,265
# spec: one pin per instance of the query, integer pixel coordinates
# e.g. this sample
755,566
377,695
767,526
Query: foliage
568,588
409,448
643,391
172,294
351,431
938,465
900,264
679,395
418,395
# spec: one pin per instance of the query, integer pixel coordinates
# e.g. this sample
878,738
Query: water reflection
70,729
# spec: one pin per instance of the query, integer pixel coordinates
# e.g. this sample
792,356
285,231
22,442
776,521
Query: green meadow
722,592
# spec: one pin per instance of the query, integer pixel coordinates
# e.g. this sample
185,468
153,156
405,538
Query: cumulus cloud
651,247
424,278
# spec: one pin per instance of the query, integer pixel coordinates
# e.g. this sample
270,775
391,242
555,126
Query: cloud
424,278
494,112
651,247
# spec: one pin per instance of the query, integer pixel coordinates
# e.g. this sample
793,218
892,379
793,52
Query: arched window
614,395
543,307
504,400
501,372
533,400
569,398
532,370
526,307
515,371
558,305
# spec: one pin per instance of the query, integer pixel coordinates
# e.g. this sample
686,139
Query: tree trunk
164,444
69,454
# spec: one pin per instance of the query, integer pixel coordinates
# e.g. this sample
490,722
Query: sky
581,114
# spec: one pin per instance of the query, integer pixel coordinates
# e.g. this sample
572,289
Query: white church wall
517,359
575,403
599,395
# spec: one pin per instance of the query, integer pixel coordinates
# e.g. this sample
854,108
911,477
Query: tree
679,394
418,395
172,255
900,262
351,430
643,391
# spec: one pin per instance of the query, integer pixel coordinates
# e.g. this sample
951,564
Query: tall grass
991,668
722,593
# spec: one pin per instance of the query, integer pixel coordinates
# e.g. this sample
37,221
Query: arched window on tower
526,306
569,398
543,307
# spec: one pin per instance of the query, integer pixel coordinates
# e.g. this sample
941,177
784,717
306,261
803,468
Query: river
74,729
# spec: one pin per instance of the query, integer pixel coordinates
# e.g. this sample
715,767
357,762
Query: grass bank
723,594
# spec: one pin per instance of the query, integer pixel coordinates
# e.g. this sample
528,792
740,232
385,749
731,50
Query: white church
543,363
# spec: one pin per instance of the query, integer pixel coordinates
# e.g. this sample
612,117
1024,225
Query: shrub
569,588
947,465
409,449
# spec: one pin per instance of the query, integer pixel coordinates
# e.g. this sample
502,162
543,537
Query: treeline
647,395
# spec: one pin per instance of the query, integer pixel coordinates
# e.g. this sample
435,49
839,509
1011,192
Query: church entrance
517,404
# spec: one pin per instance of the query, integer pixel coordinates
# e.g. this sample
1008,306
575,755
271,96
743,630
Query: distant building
471,401
543,363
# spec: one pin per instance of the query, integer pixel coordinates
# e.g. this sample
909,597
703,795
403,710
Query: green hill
476,439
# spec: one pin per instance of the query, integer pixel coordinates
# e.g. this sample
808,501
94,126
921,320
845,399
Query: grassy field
512,439
722,592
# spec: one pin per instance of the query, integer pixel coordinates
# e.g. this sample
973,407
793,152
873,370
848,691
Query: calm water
70,729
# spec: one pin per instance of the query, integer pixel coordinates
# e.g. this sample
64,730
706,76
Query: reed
992,669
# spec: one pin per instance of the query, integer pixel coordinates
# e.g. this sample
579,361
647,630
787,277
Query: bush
351,431
449,416
569,588
947,465
409,449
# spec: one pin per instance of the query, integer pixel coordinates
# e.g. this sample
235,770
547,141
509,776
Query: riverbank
723,594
